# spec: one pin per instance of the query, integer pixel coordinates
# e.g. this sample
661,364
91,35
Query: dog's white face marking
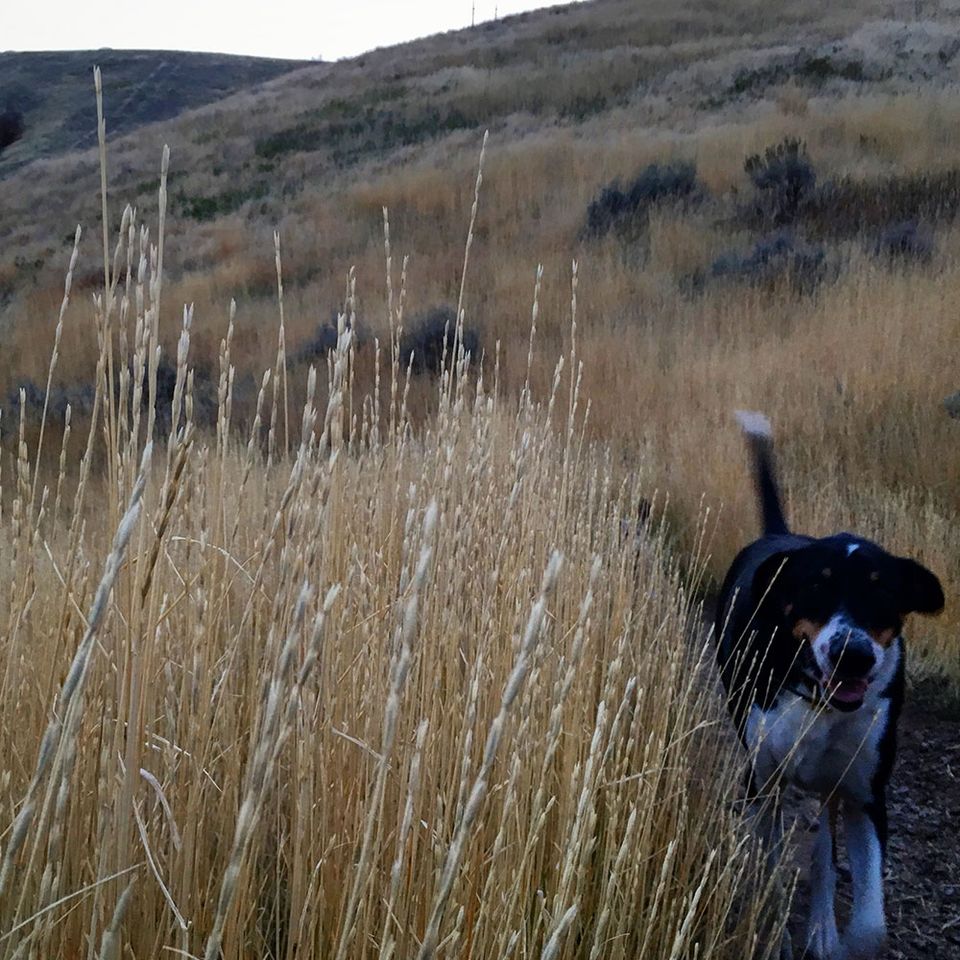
822,750
885,658
820,644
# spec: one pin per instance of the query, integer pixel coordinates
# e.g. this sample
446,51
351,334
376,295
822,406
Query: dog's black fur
811,656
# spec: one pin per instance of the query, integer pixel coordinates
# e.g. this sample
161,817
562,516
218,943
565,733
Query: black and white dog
811,655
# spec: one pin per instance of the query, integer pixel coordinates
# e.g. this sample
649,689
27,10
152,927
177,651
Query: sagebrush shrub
431,336
624,210
905,241
784,178
317,345
775,257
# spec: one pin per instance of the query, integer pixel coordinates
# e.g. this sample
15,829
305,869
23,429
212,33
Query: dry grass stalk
399,672
494,735
342,798
110,944
274,729
57,746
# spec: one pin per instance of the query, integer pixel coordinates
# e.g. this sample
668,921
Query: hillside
317,644
698,289
608,83
52,93
591,69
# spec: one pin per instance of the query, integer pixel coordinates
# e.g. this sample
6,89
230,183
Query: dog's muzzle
847,660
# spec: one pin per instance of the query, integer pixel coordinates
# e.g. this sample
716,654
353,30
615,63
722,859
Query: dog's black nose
851,654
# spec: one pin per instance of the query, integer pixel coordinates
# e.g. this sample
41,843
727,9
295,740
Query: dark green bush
784,179
624,210
848,207
219,204
431,337
370,131
904,242
775,258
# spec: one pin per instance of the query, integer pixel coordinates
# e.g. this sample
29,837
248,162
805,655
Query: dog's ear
921,590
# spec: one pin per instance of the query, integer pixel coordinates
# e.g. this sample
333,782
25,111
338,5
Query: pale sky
298,29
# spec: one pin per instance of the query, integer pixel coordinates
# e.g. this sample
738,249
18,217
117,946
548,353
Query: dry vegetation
353,688
852,372
334,705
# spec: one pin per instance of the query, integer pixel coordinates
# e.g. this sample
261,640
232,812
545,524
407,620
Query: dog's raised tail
756,428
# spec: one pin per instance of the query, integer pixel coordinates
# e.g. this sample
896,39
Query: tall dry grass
853,377
352,686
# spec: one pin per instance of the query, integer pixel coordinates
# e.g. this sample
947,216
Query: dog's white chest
818,750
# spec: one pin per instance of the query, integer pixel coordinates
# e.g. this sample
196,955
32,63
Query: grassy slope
522,74
575,97
324,809
52,91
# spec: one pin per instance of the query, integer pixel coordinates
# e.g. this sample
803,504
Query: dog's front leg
866,829
823,941
768,816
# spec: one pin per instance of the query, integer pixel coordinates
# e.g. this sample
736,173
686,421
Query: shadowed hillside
51,91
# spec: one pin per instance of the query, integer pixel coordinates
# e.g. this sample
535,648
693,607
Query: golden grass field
379,674
397,690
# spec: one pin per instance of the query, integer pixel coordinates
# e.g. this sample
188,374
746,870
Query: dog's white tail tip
754,424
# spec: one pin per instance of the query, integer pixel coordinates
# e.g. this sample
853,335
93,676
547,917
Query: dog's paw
824,944
863,941
786,947
823,941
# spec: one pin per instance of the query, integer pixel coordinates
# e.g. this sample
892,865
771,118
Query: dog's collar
810,690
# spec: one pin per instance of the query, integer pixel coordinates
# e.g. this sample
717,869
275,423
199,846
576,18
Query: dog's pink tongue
849,691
